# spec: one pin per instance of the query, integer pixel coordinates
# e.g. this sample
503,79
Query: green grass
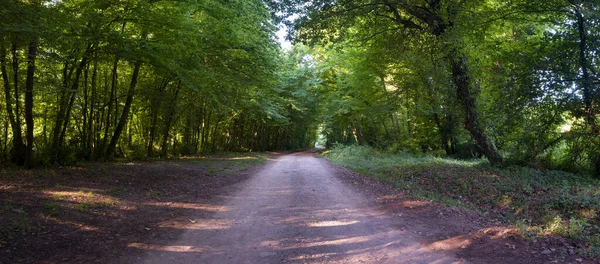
115,191
51,209
537,202
86,206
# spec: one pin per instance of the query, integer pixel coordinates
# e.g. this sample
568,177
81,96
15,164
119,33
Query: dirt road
296,210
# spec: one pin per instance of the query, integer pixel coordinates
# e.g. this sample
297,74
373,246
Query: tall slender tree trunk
66,104
169,122
90,134
15,66
206,132
84,111
18,147
155,104
110,150
214,134
113,92
5,137
587,84
29,83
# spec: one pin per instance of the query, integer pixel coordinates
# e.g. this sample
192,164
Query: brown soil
93,213
296,208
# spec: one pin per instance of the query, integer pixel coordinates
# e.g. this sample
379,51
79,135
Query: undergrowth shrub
548,202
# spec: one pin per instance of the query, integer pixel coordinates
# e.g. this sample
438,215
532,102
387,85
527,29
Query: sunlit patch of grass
85,206
84,200
541,202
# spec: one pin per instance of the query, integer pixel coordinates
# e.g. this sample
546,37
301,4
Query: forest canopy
513,81
93,80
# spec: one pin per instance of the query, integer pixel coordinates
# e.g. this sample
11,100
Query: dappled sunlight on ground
198,224
167,248
415,204
296,209
497,232
195,206
452,243
299,214
332,223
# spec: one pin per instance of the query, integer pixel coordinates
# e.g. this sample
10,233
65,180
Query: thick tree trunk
29,83
464,93
18,151
110,150
589,91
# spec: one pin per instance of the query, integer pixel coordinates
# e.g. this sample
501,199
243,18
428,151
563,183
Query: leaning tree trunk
62,121
110,150
464,93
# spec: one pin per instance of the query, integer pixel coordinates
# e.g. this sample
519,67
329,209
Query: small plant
211,172
152,194
22,224
51,209
7,206
576,227
85,206
115,191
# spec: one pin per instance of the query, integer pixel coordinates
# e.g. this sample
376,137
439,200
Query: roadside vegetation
538,202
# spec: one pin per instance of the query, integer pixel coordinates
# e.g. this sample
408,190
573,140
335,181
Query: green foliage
22,224
535,200
51,209
115,191
85,206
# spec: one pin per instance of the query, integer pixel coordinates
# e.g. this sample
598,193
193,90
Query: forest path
296,210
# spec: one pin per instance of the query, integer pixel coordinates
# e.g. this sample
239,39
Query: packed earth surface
260,208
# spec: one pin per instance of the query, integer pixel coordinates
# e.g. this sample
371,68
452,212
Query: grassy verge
538,202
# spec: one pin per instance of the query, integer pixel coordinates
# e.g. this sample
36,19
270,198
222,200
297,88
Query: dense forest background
514,81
